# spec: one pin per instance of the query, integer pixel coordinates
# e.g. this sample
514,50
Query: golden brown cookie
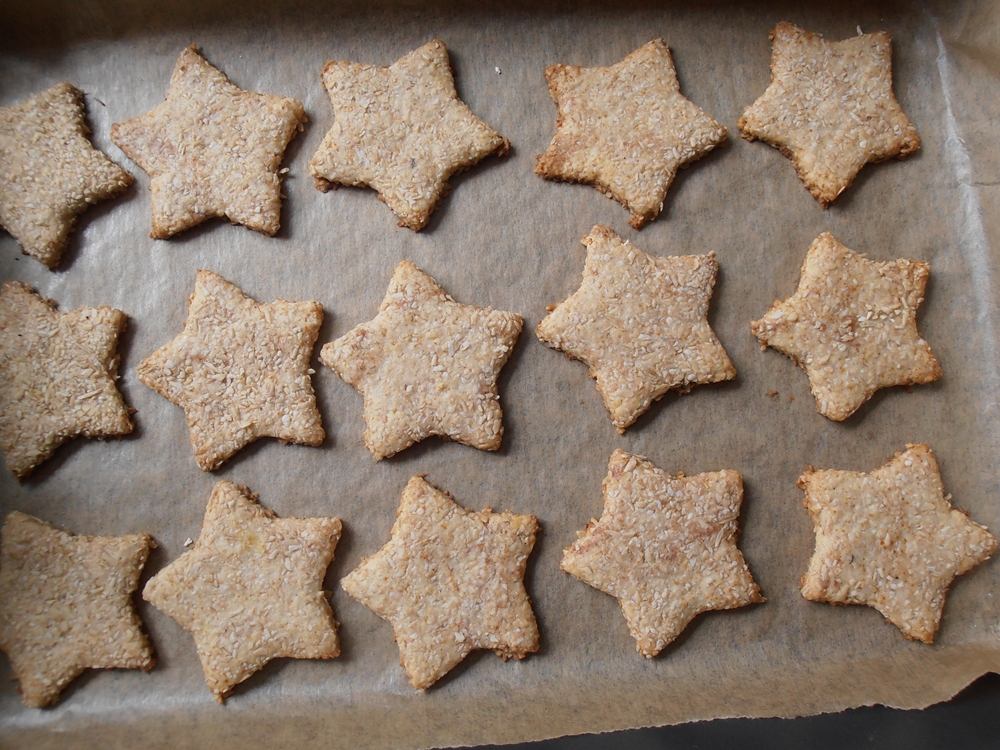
426,365
639,322
251,588
626,129
66,604
401,130
852,326
211,150
890,539
49,171
665,547
450,581
57,376
240,370
830,108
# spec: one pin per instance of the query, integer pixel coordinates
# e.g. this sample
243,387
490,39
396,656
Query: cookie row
214,150
428,365
450,580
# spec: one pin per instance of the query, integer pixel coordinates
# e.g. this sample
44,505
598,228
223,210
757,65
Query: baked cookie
66,605
626,129
890,539
401,130
240,370
852,326
251,588
665,547
450,581
49,171
426,365
211,150
830,108
57,376
639,322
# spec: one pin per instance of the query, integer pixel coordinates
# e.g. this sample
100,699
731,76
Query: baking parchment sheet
506,238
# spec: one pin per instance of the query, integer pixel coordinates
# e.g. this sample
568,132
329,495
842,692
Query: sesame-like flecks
426,365
251,588
665,547
626,129
49,171
211,150
450,581
640,323
240,370
401,130
66,604
830,108
852,326
57,376
890,539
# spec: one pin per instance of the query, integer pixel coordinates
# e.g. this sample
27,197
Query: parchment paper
506,238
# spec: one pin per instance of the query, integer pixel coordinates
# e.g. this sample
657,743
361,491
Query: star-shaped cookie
890,539
426,365
251,588
66,604
852,326
626,129
57,376
639,322
450,581
401,130
211,149
240,370
49,171
665,548
830,108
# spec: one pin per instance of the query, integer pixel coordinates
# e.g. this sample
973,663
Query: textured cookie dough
240,370
890,539
401,130
426,365
639,322
450,581
49,171
66,604
251,588
57,376
830,108
852,326
626,129
211,150
665,547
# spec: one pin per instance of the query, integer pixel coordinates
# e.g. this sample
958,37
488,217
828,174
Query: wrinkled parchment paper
509,239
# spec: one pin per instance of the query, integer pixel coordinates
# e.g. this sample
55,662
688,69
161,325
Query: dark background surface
970,720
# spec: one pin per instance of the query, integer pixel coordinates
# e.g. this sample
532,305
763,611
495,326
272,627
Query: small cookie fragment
211,150
49,171
66,605
251,588
426,365
401,130
240,370
665,547
852,326
450,581
890,539
639,322
626,129
830,108
57,376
